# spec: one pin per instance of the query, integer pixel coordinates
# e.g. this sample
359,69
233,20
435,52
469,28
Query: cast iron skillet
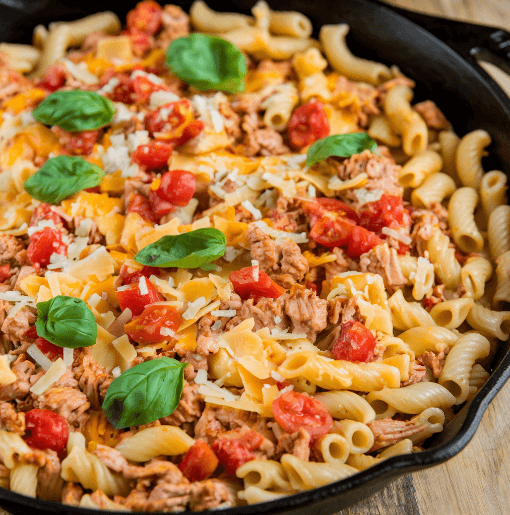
443,61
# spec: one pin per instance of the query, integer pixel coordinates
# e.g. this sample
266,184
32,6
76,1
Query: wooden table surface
476,481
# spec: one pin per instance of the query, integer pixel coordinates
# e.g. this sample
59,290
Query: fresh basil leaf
144,393
75,110
207,62
187,250
66,322
62,176
339,145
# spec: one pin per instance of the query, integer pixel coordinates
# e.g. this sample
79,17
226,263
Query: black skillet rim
393,467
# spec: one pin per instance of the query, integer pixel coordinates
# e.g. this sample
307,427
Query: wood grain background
476,481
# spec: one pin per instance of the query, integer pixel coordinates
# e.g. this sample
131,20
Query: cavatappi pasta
203,301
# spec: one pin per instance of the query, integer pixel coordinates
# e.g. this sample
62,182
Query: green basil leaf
188,250
207,62
144,393
75,110
340,145
66,322
62,176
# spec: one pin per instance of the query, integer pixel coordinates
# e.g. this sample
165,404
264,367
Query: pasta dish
236,262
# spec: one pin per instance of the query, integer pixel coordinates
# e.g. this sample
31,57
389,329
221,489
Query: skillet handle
472,41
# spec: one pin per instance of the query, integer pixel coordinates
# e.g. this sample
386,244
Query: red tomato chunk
43,244
145,18
169,121
154,155
355,343
46,430
133,299
388,211
54,78
130,275
293,410
141,205
5,272
307,124
51,351
199,462
44,212
234,452
248,287
177,187
146,328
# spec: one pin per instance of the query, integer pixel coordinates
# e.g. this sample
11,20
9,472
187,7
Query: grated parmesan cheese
54,373
124,348
285,335
277,319
217,325
41,359
116,372
93,300
363,195
194,308
312,192
160,98
224,313
231,253
209,388
392,233
256,274
68,356
166,331
40,226
137,138
274,233
109,87
257,215
276,376
142,285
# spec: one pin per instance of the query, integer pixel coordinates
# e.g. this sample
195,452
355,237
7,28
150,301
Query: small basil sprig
144,393
62,176
340,145
207,62
75,110
66,322
188,250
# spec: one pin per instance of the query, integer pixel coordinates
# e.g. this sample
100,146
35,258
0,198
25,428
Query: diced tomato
307,124
361,241
323,206
144,88
177,187
355,343
332,231
51,351
294,410
46,430
43,244
146,328
192,130
388,211
153,155
140,42
199,462
248,286
124,91
170,120
44,212
313,286
234,452
31,332
159,205
54,78
81,143
130,275
133,299
141,205
282,384
145,17
5,272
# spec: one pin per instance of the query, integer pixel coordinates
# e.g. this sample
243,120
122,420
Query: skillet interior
469,99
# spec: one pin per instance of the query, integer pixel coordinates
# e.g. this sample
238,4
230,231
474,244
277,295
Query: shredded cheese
194,308
68,356
392,233
54,373
142,285
224,313
257,215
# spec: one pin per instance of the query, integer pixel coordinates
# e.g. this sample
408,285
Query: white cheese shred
55,372
36,354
